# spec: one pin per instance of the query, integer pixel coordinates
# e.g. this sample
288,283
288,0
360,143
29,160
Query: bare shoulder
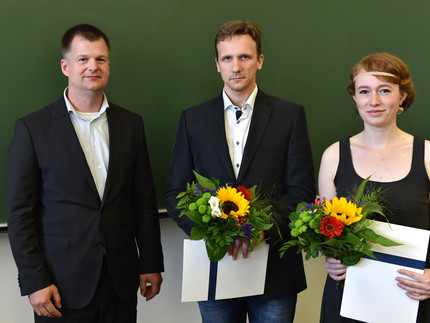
331,154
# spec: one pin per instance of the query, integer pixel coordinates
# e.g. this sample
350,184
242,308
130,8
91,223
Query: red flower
330,226
246,193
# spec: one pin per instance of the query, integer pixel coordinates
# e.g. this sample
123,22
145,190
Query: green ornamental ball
206,218
201,201
295,232
192,206
206,196
202,209
298,223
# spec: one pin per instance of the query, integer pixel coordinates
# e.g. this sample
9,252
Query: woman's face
377,100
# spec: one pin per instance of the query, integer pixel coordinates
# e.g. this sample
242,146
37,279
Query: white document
371,293
234,278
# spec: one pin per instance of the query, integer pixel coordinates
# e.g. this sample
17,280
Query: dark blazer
277,157
58,227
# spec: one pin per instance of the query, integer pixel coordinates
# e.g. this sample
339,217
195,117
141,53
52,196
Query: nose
376,100
92,65
236,66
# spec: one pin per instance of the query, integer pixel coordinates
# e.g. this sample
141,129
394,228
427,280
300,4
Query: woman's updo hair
386,67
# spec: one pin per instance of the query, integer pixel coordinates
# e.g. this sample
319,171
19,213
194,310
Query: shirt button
99,244
99,167
237,143
237,165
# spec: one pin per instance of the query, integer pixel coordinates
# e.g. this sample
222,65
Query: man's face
87,66
238,63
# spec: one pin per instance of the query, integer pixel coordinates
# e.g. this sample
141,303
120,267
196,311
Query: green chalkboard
162,59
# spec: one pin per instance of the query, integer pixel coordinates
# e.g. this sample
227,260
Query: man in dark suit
247,137
82,214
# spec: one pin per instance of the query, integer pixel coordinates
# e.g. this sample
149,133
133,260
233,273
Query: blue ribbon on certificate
213,273
397,260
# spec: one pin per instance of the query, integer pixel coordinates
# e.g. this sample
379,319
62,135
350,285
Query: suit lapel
260,118
65,131
217,128
114,147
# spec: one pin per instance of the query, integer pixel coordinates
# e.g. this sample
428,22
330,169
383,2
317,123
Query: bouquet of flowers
337,228
223,214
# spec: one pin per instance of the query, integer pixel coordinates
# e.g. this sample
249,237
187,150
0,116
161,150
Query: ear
64,67
403,96
260,62
217,65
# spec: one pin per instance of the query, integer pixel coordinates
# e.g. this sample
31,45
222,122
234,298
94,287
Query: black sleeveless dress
408,202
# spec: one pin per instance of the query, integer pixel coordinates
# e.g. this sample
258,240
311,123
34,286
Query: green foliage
352,241
220,231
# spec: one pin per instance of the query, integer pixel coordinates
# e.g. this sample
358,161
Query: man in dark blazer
249,138
82,214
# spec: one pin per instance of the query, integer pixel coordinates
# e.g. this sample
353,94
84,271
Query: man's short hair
86,31
237,27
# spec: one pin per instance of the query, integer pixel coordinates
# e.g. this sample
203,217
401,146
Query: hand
419,287
335,269
239,244
150,285
41,301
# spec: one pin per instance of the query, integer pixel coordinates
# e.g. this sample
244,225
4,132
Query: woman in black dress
396,161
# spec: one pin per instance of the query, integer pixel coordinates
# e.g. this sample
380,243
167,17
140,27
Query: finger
53,312
57,299
230,250
410,274
143,289
338,277
244,249
44,311
237,243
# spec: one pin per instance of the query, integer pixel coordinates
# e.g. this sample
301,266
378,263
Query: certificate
204,280
371,293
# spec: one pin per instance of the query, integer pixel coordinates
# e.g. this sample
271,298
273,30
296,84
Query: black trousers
105,307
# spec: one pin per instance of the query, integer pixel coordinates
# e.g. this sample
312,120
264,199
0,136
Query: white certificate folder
204,280
371,293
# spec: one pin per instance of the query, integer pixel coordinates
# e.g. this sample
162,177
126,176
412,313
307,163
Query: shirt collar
250,102
71,108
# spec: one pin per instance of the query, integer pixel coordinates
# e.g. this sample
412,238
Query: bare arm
327,189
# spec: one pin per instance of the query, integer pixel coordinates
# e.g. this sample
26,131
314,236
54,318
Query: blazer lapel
217,127
260,118
65,131
114,147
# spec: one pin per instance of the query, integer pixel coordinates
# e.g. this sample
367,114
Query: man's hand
150,285
42,301
241,244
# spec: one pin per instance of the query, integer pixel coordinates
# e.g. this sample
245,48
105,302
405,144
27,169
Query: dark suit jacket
58,227
277,156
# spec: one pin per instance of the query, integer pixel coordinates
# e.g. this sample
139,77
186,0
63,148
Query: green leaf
351,260
373,237
205,182
214,251
197,233
359,193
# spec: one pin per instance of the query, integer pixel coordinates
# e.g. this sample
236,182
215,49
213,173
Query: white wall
166,307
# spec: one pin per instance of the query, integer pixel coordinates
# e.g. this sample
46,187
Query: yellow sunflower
343,210
232,202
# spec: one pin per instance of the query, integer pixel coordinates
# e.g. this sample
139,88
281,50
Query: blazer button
99,244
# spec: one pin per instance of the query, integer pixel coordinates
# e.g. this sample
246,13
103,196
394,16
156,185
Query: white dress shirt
237,130
93,133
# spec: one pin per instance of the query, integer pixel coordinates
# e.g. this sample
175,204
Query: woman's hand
418,287
335,268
